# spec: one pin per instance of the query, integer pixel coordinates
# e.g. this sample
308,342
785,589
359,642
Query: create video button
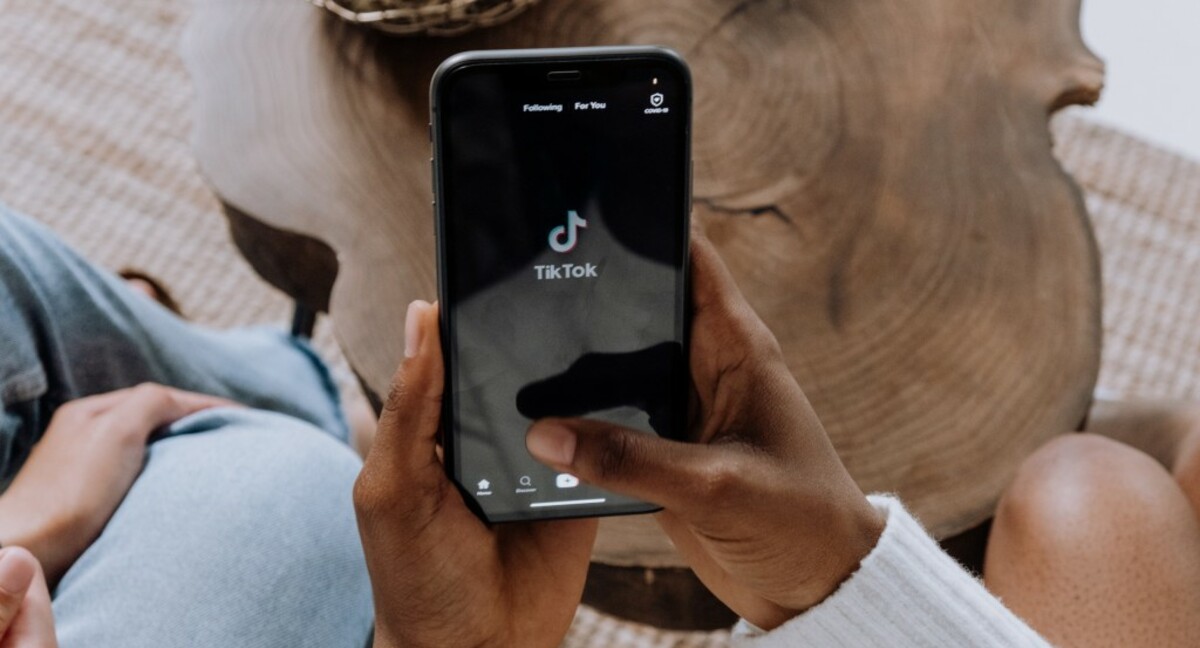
566,481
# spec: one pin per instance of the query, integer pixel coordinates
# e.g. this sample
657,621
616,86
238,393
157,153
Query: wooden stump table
877,175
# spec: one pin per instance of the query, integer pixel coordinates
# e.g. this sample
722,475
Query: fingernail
412,328
15,574
552,444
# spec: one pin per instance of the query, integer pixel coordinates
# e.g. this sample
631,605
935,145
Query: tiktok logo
564,237
562,240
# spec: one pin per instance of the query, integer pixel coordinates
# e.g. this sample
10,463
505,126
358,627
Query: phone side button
690,186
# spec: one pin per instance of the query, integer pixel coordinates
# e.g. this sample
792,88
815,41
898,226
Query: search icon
526,481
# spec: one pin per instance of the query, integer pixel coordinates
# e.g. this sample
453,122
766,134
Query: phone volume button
433,185
690,181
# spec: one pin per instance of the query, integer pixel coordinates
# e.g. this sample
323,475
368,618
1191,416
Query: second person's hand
81,469
760,504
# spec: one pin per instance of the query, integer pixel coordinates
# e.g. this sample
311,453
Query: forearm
37,530
907,592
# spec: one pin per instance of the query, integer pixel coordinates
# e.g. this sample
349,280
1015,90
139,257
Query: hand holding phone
759,503
440,575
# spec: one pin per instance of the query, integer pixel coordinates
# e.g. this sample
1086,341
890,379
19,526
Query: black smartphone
562,183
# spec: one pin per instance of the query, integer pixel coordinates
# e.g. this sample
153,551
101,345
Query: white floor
1152,50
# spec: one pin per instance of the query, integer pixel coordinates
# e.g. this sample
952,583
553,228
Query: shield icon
656,99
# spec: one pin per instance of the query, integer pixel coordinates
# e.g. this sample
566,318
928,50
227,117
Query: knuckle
397,392
391,404
379,504
369,500
70,412
147,389
745,334
432,397
720,479
152,393
766,342
618,455
756,333
368,496
402,395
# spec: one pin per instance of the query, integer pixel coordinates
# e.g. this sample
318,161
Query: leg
1169,431
240,532
1095,544
1186,467
69,330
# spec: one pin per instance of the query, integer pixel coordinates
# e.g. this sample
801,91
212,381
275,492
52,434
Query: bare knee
1186,467
1073,486
1095,544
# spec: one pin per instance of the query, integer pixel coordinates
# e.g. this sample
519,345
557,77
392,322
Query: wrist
864,529
856,531
13,531
853,531
20,529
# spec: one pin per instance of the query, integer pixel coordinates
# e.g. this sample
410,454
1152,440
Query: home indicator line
599,500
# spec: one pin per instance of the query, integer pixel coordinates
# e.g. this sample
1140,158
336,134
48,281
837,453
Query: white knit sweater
906,592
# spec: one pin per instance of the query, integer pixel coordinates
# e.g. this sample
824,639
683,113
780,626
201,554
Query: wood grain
878,176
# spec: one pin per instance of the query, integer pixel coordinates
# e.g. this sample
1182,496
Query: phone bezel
529,60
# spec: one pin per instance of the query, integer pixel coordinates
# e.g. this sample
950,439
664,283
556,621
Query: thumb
34,625
403,467
17,569
408,427
672,474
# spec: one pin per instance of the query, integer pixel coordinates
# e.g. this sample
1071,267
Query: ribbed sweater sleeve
906,592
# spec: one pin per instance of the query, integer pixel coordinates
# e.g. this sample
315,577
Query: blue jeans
240,530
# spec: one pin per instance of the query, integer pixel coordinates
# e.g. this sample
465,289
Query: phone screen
563,191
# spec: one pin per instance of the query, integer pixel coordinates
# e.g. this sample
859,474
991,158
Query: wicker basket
433,17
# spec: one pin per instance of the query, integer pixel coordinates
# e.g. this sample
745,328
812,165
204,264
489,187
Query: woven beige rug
94,123
1145,207
94,127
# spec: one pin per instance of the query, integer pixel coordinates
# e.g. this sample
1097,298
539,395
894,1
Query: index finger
712,283
97,404
148,407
